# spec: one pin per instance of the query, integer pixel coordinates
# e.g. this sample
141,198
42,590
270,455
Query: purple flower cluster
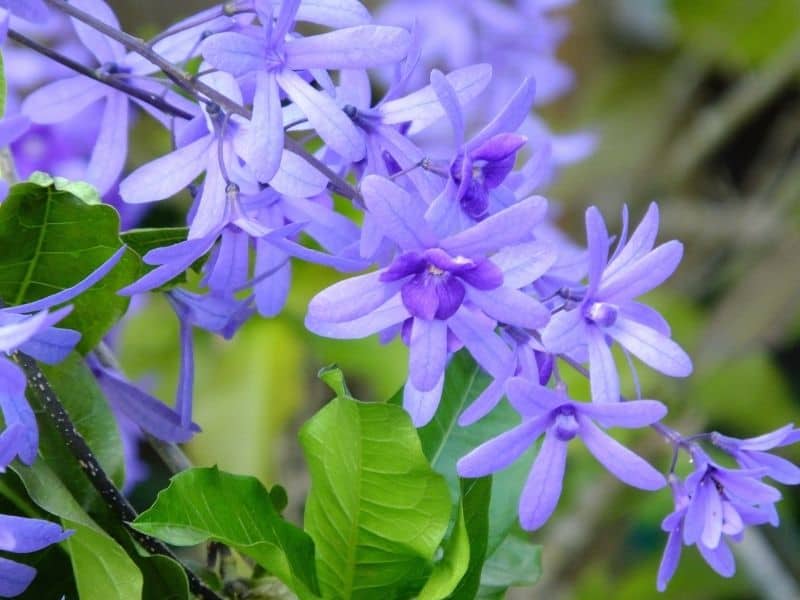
464,252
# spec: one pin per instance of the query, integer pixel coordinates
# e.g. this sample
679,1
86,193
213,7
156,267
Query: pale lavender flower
445,290
607,307
34,11
552,413
751,453
275,57
20,535
712,507
65,98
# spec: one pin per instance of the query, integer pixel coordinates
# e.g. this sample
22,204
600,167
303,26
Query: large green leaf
51,240
475,500
149,238
451,568
102,568
376,510
206,503
444,441
164,578
516,563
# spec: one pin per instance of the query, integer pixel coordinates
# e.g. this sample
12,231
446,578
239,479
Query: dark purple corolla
20,535
607,308
446,291
550,412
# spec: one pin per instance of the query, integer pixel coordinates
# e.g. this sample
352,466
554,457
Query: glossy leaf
516,563
51,240
206,503
475,500
376,510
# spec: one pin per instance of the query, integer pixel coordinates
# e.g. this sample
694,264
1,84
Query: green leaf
85,191
101,567
103,570
334,378
376,510
448,572
516,563
51,240
77,389
444,441
146,239
164,579
475,500
205,503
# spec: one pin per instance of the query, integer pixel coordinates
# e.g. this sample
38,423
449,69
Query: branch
98,75
202,91
114,499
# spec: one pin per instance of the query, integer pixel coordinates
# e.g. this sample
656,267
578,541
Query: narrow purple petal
399,214
621,462
631,414
231,263
603,375
13,335
645,315
720,558
651,347
448,98
265,136
111,148
71,292
328,120
543,488
485,402
296,178
529,398
478,336
174,260
565,331
14,578
103,47
524,263
694,522
501,451
645,274
427,353
185,391
167,175
712,529
421,406
352,298
746,488
271,292
510,226
358,47
333,13
16,409
640,243
510,116
670,560
62,99
51,345
389,314
234,53
598,244
511,307
10,440
23,535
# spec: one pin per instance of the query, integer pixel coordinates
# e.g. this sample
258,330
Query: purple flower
275,57
714,505
34,11
65,98
446,291
35,335
552,413
21,535
751,453
607,306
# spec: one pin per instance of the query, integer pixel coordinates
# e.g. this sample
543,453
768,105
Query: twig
100,76
202,91
76,444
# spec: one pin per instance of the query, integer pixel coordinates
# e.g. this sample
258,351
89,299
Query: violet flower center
566,424
436,281
601,313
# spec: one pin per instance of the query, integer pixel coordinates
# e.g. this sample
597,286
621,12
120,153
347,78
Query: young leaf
206,503
376,510
448,572
146,239
51,240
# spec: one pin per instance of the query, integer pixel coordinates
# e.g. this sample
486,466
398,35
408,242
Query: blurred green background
697,105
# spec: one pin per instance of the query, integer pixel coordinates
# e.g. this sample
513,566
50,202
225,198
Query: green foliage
475,502
516,563
738,33
205,503
150,238
50,239
376,509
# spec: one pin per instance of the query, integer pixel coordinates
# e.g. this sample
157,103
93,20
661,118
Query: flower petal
383,317
296,178
524,263
62,99
720,559
478,336
399,214
510,116
111,148
265,136
651,347
621,462
352,298
603,375
427,353
103,47
643,275
499,452
543,488
631,414
421,406
529,398
234,53
357,47
511,307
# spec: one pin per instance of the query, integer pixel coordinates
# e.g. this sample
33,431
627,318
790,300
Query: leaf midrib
23,288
